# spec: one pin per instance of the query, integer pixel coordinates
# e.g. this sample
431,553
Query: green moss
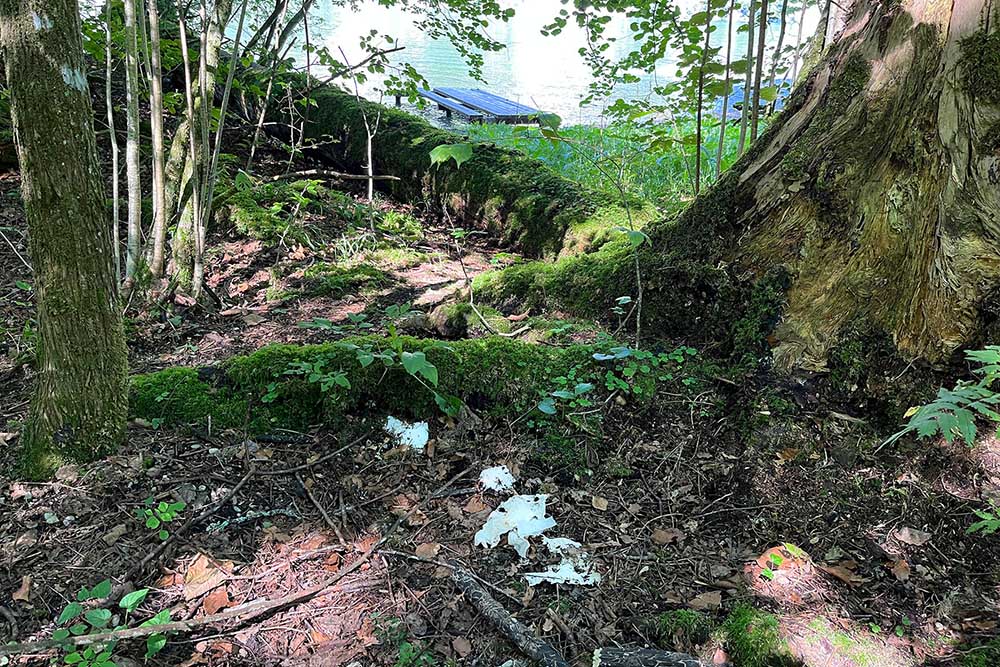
495,376
682,628
333,280
981,655
981,65
749,333
753,639
400,224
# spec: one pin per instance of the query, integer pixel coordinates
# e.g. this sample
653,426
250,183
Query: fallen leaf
254,319
217,600
664,536
599,503
427,550
24,591
203,575
462,646
843,573
901,570
115,534
912,536
475,505
706,601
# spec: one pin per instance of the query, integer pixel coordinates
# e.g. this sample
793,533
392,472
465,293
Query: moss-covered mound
517,198
492,375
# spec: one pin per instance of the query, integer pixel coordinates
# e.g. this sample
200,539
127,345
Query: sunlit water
545,72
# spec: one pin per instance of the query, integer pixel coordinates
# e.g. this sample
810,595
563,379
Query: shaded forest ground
681,499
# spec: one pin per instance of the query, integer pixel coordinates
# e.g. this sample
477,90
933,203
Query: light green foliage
458,152
82,618
156,514
955,411
657,173
989,521
399,224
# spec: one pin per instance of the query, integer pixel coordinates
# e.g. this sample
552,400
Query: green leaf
98,618
132,601
60,634
769,93
71,611
637,238
152,522
101,590
450,405
416,363
155,644
74,658
548,406
458,152
79,629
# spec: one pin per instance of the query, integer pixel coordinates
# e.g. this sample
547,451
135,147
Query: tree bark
80,402
159,235
134,184
748,82
877,190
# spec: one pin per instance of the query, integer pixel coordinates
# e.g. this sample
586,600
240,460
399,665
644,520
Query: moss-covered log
876,192
518,199
492,375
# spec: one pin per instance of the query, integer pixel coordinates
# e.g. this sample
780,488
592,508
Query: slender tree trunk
80,400
772,79
159,235
721,150
798,42
759,69
701,97
267,94
748,81
115,170
183,162
132,141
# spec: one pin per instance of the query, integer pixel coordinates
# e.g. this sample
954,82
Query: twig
327,173
245,612
23,260
326,517
322,459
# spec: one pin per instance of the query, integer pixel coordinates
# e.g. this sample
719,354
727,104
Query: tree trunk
877,191
132,141
748,82
159,235
80,401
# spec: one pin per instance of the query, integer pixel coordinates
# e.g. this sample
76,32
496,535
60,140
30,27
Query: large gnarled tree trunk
80,400
878,190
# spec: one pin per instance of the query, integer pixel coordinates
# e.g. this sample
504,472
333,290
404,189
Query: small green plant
954,412
390,632
78,618
157,514
989,521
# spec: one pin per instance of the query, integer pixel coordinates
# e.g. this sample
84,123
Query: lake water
545,72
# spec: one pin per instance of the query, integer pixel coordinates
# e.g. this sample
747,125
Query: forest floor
765,510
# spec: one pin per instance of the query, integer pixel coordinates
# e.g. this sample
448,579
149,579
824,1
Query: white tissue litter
518,517
414,436
574,568
497,478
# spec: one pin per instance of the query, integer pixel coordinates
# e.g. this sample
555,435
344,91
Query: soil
734,495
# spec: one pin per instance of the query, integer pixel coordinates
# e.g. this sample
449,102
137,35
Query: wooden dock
478,105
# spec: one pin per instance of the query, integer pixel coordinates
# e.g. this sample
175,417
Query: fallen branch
245,612
519,634
327,173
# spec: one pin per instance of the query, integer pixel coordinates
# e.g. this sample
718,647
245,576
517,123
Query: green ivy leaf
548,406
458,152
71,611
98,618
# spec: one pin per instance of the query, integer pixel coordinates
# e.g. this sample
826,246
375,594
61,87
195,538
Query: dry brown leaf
599,503
217,600
462,646
842,572
664,536
475,505
203,575
427,550
912,536
706,601
901,570
24,590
